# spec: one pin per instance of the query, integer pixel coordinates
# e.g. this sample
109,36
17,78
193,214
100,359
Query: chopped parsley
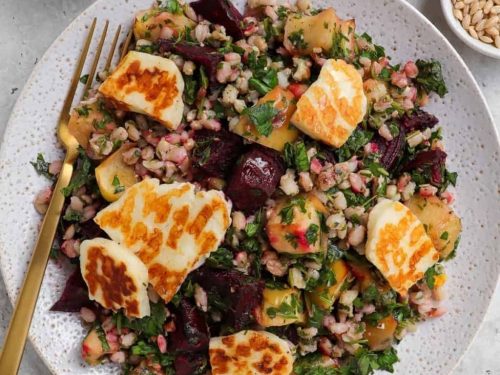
297,39
72,215
356,142
286,212
151,325
295,155
430,77
84,78
83,175
221,258
119,188
312,234
102,337
430,275
171,6
83,111
42,167
262,116
444,236
290,309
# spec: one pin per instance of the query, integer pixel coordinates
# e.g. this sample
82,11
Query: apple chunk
283,132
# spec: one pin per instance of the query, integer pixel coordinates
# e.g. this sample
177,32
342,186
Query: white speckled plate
470,138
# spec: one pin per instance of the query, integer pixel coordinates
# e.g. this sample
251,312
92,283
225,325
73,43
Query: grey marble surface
28,27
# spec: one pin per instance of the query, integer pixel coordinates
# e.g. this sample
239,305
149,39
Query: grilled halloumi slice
250,353
147,84
333,106
116,277
398,245
170,227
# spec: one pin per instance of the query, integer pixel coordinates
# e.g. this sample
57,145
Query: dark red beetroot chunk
221,12
391,151
418,120
206,56
216,152
432,159
75,294
191,333
190,363
244,292
255,178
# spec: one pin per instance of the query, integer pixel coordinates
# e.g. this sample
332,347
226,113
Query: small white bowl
456,26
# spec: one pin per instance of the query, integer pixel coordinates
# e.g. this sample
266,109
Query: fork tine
112,50
78,72
126,43
93,68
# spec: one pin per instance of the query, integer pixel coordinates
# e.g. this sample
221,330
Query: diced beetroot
244,293
89,229
202,55
191,332
216,152
75,295
221,12
190,363
418,120
391,150
432,159
255,178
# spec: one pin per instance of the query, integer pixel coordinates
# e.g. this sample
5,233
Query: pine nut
458,14
491,22
466,21
486,39
497,41
493,31
482,3
467,2
481,25
474,7
495,9
460,5
478,16
473,32
488,6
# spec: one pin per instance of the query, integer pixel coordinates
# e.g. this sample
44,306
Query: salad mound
255,193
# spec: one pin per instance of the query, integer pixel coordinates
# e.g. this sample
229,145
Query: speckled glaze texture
469,135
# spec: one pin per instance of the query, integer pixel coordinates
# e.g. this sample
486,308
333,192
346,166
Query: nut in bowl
476,23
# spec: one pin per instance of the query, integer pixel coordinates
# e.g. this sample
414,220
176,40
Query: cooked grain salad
256,193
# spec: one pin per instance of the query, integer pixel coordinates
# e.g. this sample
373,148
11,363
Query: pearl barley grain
480,18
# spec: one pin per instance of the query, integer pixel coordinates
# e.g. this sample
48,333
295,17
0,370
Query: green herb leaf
102,337
295,155
73,216
356,142
430,77
83,175
84,79
312,234
151,325
430,275
287,212
262,116
119,188
190,89
83,111
221,258
171,6
297,39
287,309
42,167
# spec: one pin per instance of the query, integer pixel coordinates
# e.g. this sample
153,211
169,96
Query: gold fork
15,338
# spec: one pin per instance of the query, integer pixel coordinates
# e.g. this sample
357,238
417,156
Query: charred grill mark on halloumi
333,106
147,84
398,245
116,278
171,228
250,353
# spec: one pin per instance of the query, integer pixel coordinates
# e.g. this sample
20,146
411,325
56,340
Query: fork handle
15,339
